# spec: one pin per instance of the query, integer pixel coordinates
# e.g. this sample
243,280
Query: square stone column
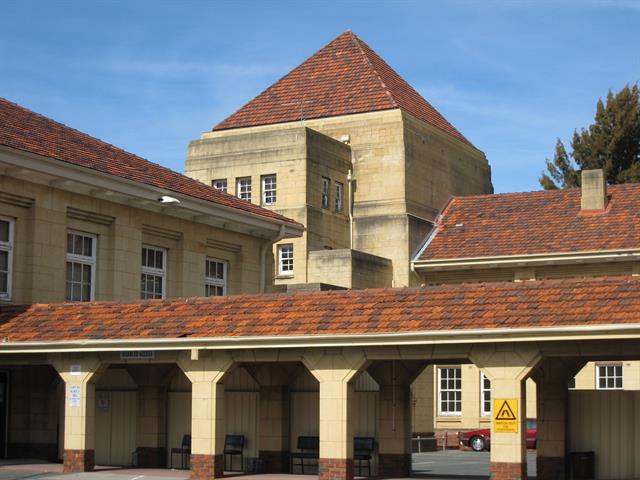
78,372
508,366
334,369
274,427
151,429
552,378
205,371
394,377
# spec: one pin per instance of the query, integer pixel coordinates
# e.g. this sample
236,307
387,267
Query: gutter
138,190
631,254
263,255
471,336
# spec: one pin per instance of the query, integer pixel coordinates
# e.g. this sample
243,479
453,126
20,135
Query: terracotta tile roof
513,305
534,223
25,130
343,78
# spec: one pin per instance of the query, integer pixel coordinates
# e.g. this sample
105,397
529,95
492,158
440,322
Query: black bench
233,446
309,449
184,451
363,448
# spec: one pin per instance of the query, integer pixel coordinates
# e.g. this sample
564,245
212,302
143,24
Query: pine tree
611,143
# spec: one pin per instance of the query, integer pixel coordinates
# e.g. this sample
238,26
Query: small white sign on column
75,395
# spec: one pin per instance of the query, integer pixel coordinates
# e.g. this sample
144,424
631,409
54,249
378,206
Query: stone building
581,233
348,148
83,221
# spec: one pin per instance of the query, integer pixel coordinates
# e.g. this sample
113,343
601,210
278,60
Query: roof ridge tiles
356,40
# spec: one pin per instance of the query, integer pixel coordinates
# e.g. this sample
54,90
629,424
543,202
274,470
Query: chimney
594,190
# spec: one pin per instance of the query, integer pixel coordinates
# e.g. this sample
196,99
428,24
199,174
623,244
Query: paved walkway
443,465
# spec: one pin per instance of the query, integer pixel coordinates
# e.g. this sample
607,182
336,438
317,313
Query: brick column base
274,461
508,471
394,464
205,467
152,457
335,469
550,468
75,461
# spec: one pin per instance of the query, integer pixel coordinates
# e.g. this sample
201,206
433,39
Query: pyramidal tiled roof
344,77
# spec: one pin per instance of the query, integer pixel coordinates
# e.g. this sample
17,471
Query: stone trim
335,469
75,461
550,468
394,464
205,467
508,471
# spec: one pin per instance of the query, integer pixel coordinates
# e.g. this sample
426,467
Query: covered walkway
542,330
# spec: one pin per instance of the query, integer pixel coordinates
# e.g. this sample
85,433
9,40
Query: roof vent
594,190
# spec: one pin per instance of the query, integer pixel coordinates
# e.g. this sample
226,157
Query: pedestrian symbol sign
505,415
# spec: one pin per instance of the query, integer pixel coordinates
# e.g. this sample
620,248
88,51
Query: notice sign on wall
505,415
75,395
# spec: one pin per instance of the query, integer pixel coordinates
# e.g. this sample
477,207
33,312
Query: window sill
284,277
449,418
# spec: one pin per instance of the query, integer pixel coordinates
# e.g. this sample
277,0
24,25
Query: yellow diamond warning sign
505,415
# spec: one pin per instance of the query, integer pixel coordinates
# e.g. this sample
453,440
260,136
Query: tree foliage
611,143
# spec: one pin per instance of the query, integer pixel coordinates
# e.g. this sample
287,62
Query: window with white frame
81,267
243,188
269,190
220,184
609,376
285,259
326,184
339,191
485,395
154,272
215,282
6,257
449,391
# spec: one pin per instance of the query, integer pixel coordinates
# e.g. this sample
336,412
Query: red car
480,439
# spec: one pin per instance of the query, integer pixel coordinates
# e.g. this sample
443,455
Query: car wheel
477,444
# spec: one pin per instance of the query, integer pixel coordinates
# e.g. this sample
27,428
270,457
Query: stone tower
343,125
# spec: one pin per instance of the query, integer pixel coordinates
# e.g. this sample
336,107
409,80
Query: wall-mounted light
167,200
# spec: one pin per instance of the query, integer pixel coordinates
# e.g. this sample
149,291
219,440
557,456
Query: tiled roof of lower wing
24,130
512,305
530,223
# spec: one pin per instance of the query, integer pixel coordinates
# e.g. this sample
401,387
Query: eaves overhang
470,336
565,258
67,176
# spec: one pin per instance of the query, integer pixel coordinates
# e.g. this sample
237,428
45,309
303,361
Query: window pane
86,274
77,244
88,247
76,276
4,231
69,243
4,261
76,292
86,292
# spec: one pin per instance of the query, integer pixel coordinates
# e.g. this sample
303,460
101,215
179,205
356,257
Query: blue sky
148,76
